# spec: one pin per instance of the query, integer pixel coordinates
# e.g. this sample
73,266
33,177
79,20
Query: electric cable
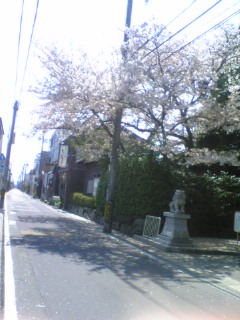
183,28
29,47
204,33
18,50
233,5
220,14
156,35
181,13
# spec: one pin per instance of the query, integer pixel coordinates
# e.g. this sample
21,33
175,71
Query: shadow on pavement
84,241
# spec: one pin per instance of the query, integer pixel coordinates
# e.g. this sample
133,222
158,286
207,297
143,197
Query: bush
79,199
101,191
146,185
211,202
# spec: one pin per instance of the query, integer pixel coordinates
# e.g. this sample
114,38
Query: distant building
1,155
66,172
1,135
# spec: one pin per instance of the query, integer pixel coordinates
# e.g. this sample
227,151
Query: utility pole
10,142
7,160
40,167
108,210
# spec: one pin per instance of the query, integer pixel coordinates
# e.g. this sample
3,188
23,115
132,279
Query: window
95,185
90,187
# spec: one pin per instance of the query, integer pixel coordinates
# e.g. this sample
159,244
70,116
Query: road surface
62,267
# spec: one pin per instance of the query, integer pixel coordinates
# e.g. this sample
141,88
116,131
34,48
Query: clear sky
94,25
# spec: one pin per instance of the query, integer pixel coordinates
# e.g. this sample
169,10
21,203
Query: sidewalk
201,246
210,246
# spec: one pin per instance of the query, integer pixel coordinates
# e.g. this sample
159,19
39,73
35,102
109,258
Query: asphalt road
60,267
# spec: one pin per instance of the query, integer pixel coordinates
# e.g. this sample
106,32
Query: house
50,178
1,135
92,174
75,174
73,167
34,179
2,157
67,172
42,167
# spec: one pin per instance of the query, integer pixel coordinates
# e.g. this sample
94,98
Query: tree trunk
108,211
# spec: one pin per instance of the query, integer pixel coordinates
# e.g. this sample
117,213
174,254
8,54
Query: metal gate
151,226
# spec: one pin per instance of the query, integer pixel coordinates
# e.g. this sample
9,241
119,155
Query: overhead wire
233,5
18,50
168,39
221,13
183,28
181,13
178,16
29,47
204,33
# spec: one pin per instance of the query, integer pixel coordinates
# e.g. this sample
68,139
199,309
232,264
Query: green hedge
102,190
79,199
146,184
211,202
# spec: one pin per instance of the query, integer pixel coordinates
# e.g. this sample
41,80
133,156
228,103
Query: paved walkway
210,246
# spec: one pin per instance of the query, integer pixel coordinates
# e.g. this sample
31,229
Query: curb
149,244
187,250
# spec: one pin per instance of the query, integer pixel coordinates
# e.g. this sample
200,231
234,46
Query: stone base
175,230
174,242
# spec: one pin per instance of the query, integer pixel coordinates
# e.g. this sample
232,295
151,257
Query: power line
29,47
19,40
233,5
181,13
204,33
183,28
220,14
156,35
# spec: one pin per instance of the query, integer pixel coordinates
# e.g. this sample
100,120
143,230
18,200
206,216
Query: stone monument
175,230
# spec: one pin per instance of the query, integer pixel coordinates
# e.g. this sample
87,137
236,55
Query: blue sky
94,25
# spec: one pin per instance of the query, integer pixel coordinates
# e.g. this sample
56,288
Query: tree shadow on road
84,242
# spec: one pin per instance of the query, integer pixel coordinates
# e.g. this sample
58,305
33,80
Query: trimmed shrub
146,185
102,186
79,199
101,191
211,202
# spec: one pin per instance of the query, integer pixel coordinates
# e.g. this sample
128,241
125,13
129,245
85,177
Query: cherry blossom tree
154,86
174,100
170,95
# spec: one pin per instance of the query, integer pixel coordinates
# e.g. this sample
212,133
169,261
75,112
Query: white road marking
10,310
